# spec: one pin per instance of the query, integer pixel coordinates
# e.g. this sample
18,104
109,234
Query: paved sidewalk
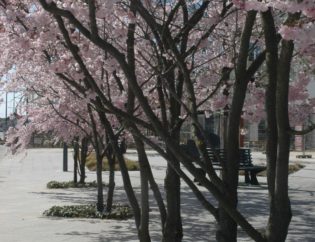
23,198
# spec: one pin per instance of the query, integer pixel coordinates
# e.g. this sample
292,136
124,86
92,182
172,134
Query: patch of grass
132,165
292,168
119,212
70,184
295,167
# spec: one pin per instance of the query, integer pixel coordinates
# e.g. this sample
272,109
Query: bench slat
245,160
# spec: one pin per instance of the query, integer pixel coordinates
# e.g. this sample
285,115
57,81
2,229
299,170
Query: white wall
311,88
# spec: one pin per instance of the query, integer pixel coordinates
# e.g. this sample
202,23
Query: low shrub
70,184
292,168
132,165
295,167
119,212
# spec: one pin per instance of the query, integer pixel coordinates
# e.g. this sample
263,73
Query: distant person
214,140
123,146
192,148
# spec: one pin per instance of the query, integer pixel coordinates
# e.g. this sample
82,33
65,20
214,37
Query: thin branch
309,129
65,118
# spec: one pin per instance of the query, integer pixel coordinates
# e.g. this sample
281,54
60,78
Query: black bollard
65,157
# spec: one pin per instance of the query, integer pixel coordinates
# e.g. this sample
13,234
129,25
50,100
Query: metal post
65,157
6,111
303,145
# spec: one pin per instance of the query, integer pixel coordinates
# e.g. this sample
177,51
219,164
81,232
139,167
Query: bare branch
92,17
309,129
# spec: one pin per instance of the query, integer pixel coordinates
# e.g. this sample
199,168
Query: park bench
245,161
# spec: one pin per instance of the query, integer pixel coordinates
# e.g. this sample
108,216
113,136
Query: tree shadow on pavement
198,224
77,197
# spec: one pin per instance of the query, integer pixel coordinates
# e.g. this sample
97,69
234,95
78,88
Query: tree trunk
173,231
75,160
84,152
157,195
99,179
124,171
99,165
111,182
281,210
227,228
143,162
173,225
270,105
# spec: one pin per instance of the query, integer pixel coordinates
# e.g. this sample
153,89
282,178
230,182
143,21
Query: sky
10,104
311,88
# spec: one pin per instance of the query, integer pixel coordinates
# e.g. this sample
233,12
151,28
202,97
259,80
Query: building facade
252,135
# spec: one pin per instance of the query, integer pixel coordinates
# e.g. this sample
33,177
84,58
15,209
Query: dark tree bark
270,105
99,179
145,165
144,177
76,150
281,214
143,230
173,226
278,115
123,168
83,156
173,231
111,180
227,229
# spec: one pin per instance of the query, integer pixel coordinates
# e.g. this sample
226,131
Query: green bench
245,164
245,161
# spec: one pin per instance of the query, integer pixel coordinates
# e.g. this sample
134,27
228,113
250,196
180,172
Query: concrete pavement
24,196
